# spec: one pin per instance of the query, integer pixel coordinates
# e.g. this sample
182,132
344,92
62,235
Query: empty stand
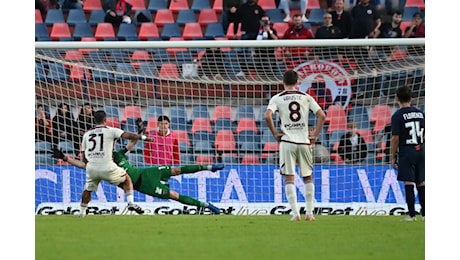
148,31
164,16
127,32
38,16
152,124
90,5
131,112
112,111
225,141
185,16
192,31
204,159
96,16
54,16
267,4
200,111
201,124
381,116
199,5
207,16
281,28
359,115
170,30
177,5
76,16
213,31
336,118
60,31
104,31
41,33
244,111
408,12
276,16
139,57
137,4
154,6
82,30
316,15
250,159
222,112
218,6
113,122
246,123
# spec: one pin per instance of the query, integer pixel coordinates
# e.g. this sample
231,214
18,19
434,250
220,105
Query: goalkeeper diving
150,180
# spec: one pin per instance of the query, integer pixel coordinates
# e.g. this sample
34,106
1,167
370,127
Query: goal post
215,94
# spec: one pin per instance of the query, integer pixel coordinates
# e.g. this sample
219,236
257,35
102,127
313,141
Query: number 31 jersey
98,144
409,124
293,107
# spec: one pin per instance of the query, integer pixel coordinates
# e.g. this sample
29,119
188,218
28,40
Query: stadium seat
381,116
97,16
164,16
59,31
136,159
73,56
204,159
199,5
132,111
267,4
42,147
138,57
276,16
38,16
148,31
113,122
78,74
56,73
222,112
169,71
203,142
222,124
367,136
44,159
178,117
192,31
418,3
316,16
185,16
248,140
130,125
408,12
358,114
82,30
152,124
176,6
124,73
269,149
145,73
312,4
281,28
250,159
154,6
207,16
246,123
200,111
334,137
41,33
230,35
137,5
336,118
244,111
67,147
170,30
127,32
145,13
76,16
104,31
213,31
225,141
153,111
183,137
228,158
111,111
201,124
90,5
54,16
218,6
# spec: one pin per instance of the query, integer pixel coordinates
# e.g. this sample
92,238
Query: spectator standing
165,149
43,130
328,30
297,32
85,120
264,59
249,15
64,127
342,19
117,12
352,147
366,20
212,63
284,4
73,4
229,9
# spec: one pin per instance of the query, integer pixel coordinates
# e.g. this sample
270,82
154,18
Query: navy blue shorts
411,164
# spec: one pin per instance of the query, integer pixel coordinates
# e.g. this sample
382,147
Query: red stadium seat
336,118
182,136
201,124
207,16
268,4
222,112
192,31
77,73
90,5
113,122
137,4
418,3
403,25
104,31
218,6
250,159
230,35
172,51
381,116
169,71
204,159
74,56
281,28
38,16
131,112
246,123
60,30
177,5
313,4
164,16
152,124
367,135
225,141
148,31
140,57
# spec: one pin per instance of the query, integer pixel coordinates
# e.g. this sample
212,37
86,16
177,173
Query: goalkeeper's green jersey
145,180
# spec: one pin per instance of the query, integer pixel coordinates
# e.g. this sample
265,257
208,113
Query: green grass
227,237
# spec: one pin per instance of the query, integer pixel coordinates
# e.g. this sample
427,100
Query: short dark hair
404,94
398,12
99,117
290,77
163,118
417,14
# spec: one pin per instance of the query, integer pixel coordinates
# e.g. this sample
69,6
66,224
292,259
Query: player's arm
269,119
58,154
319,125
134,136
394,149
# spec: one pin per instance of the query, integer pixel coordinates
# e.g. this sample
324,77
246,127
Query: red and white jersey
293,107
98,144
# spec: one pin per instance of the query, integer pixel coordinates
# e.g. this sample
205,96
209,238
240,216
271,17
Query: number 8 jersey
98,144
293,107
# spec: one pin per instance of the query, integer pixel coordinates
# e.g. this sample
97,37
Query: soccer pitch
227,237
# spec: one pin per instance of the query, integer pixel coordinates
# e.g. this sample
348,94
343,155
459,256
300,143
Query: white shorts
109,172
291,153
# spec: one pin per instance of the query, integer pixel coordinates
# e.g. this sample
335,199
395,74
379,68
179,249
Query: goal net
215,94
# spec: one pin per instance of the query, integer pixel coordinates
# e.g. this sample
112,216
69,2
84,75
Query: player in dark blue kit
408,139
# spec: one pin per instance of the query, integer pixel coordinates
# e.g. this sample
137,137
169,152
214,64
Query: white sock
130,196
291,196
83,208
309,196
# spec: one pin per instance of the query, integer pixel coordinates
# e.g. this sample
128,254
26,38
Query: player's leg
287,168
305,162
420,180
91,185
118,176
196,168
410,200
406,173
191,201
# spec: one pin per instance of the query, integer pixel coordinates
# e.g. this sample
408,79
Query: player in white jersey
293,107
97,145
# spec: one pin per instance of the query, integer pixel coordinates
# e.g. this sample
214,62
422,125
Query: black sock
410,199
421,198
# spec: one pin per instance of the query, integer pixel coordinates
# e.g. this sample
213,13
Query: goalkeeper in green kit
149,180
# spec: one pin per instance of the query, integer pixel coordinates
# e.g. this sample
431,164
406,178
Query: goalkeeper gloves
58,154
140,125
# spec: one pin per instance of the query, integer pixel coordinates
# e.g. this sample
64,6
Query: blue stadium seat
136,159
41,33
185,16
183,57
76,16
203,142
101,72
200,111
229,158
82,30
130,126
335,137
178,117
96,16
214,30
112,111
245,111
248,141
316,16
222,124
276,15
160,56
170,30
117,56
40,75
44,159
408,12
96,56
359,115
42,147
124,72
146,13
54,16
154,6
67,147
145,72
153,111
127,32
56,73
198,5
